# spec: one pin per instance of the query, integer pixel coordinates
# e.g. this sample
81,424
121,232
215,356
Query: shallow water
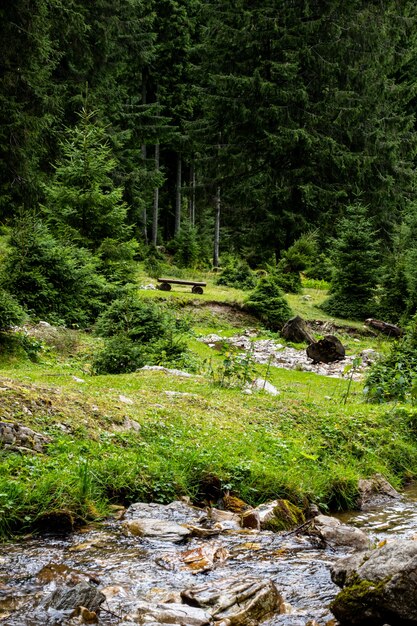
137,568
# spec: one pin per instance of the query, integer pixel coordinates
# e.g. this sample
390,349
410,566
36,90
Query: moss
361,600
286,516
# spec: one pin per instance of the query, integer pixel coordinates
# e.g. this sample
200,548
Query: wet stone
336,534
157,529
236,602
146,613
176,511
69,598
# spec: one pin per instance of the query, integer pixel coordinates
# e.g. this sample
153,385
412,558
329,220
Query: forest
281,136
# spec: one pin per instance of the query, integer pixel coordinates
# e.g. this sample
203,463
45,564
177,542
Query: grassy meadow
154,436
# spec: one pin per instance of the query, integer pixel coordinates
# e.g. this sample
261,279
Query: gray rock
236,601
176,511
13,434
157,529
171,613
336,534
375,491
69,598
378,585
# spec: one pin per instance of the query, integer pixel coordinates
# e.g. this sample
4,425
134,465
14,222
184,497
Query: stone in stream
157,529
297,331
177,511
335,534
146,613
196,560
236,601
279,515
379,586
375,491
70,598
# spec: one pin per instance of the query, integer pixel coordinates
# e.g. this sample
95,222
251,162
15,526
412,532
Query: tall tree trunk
217,205
178,196
191,200
155,200
143,151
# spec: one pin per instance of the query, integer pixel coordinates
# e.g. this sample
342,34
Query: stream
129,568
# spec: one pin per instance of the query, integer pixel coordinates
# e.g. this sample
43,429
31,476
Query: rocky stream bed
175,564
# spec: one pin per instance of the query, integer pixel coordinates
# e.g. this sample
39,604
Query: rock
388,329
125,399
378,586
297,331
279,515
225,520
16,435
78,380
177,511
171,613
166,370
82,595
250,519
336,534
234,601
234,504
326,350
375,491
157,529
196,560
263,385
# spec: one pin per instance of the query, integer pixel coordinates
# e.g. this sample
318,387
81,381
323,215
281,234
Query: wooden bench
165,284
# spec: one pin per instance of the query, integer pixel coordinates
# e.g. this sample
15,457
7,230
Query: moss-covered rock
286,515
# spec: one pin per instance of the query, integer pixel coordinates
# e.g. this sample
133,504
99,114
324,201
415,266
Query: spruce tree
355,258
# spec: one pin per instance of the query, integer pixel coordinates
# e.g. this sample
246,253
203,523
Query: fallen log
384,327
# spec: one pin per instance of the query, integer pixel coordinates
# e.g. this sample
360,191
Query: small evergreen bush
296,259
56,282
268,303
139,333
186,246
237,273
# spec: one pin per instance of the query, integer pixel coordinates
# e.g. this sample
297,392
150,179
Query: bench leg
164,287
197,289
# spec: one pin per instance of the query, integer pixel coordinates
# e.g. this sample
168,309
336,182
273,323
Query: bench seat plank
177,281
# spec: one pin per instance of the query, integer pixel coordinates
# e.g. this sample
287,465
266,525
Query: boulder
375,491
170,613
326,350
279,515
379,586
157,529
70,598
335,534
297,331
236,601
250,519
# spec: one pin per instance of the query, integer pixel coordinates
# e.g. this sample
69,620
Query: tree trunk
143,151
178,197
217,228
155,200
191,201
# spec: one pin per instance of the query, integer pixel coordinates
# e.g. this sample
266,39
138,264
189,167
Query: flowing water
129,568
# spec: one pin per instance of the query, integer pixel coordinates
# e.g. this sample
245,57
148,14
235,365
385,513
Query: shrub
237,273
186,246
57,282
268,303
11,313
394,377
140,333
296,259
140,320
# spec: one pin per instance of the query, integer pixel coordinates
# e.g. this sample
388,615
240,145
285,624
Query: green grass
310,443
